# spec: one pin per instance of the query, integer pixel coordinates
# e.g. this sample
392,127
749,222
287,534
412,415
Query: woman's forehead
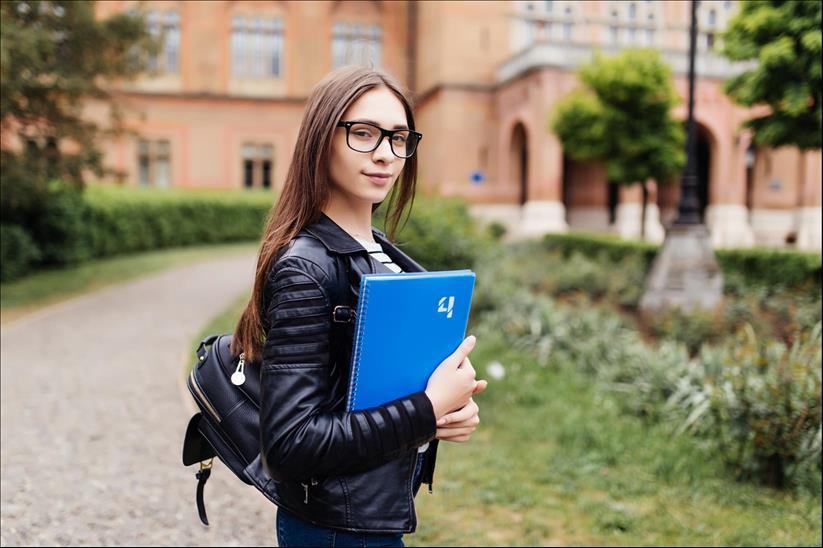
379,106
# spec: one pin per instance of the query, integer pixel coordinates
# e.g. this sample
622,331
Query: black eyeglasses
366,137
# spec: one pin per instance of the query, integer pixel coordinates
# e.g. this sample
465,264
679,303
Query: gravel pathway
94,410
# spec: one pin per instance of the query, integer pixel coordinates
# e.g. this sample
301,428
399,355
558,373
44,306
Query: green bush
18,252
124,220
761,402
743,269
61,229
693,328
70,225
441,234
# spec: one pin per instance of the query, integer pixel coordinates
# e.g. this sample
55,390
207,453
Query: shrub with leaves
761,401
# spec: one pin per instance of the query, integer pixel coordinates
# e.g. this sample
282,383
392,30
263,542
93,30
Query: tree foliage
53,55
622,118
784,38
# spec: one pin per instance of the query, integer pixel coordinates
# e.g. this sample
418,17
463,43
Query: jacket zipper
202,397
415,457
306,488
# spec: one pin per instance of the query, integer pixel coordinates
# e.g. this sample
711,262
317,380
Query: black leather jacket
336,469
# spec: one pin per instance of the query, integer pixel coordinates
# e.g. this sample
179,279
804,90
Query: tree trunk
643,211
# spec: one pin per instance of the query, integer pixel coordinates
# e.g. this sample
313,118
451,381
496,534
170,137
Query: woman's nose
383,150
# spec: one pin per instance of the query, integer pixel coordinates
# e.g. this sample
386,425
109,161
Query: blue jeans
293,531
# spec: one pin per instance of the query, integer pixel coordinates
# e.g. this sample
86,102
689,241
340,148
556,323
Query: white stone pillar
629,212
729,225
809,215
539,217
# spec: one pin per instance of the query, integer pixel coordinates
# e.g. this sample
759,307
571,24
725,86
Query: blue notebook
406,325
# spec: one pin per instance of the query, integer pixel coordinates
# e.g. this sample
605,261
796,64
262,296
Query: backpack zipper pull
238,377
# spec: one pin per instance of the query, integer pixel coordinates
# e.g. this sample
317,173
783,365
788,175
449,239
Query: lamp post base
685,272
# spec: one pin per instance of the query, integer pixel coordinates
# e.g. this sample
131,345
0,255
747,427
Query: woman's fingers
481,385
449,434
465,413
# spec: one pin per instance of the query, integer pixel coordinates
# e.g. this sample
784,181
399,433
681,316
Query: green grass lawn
553,463
47,287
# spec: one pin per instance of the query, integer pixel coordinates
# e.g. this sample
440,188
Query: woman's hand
453,382
459,425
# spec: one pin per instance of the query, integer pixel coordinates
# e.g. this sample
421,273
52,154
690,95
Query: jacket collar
334,237
337,240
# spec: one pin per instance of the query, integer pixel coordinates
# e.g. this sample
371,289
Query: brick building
225,105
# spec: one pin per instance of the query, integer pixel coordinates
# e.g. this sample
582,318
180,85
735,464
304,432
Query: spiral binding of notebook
358,342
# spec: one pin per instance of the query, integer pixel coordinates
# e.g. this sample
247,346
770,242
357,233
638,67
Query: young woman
343,478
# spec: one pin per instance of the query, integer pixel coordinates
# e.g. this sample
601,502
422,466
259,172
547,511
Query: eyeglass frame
383,133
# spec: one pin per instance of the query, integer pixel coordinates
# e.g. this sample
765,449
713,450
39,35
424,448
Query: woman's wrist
438,409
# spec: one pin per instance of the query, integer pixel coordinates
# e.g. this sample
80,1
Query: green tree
784,39
622,119
52,56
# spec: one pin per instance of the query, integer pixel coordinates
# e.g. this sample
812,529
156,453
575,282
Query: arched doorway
668,194
703,156
519,162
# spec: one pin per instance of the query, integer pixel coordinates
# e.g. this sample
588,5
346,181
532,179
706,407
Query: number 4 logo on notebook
442,307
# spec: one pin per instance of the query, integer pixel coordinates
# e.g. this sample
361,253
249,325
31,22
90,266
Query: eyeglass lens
364,138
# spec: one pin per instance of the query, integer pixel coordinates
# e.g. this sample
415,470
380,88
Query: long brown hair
306,189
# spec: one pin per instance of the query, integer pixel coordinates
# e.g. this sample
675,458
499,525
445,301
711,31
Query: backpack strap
202,477
201,349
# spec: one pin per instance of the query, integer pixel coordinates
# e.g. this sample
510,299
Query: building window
549,6
256,47
356,44
712,18
649,37
632,35
632,10
154,163
567,31
613,35
167,26
258,162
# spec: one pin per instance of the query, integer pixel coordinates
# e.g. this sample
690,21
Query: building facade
224,102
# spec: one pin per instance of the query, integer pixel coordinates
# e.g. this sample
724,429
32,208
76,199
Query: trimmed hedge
100,221
777,269
122,220
18,252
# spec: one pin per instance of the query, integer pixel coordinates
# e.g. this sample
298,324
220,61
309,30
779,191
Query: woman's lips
377,180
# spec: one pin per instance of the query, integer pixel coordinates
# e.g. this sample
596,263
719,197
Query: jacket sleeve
300,437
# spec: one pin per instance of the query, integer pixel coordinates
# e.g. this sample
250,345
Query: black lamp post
685,273
689,207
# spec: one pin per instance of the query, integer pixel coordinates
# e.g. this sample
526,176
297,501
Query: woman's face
348,168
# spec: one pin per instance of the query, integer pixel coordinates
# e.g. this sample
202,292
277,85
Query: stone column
543,211
809,213
727,216
629,211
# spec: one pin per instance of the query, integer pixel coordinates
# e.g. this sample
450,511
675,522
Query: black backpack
227,391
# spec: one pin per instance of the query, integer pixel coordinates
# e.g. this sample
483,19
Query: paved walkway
94,412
